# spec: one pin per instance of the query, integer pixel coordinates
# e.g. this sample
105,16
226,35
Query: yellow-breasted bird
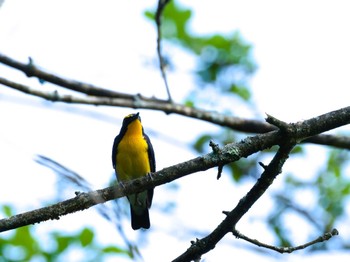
133,157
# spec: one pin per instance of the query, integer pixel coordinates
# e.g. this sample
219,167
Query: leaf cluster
23,244
223,61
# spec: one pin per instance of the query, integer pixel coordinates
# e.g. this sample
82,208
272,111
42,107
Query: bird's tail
140,220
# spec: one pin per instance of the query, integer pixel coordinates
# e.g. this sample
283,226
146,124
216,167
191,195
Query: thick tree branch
227,154
204,245
291,134
80,202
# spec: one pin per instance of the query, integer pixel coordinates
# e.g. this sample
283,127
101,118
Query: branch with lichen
290,135
286,137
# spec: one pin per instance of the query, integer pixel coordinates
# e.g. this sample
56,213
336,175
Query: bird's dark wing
114,149
151,157
152,163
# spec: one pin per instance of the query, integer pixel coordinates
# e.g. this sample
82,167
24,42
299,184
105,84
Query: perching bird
133,157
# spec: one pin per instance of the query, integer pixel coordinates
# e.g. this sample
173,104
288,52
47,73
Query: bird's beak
136,116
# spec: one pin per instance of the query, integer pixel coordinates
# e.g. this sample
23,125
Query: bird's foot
121,184
150,176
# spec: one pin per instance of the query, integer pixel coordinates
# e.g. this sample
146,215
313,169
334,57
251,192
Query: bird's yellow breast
132,155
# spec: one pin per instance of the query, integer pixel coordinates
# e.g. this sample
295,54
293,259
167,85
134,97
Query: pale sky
302,52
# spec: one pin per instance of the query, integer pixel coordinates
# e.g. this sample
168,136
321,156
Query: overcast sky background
302,52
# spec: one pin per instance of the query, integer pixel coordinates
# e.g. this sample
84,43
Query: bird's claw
121,184
150,175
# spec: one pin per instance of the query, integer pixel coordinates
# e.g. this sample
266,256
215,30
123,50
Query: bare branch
291,134
221,156
137,101
161,5
235,123
229,153
33,71
326,236
80,202
204,245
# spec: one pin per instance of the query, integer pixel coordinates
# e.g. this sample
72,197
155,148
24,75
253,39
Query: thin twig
326,236
162,64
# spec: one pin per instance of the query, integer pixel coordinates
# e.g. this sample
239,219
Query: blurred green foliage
23,244
223,61
333,188
329,190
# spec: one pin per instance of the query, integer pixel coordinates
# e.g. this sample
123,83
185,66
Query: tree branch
158,17
291,133
227,154
135,101
101,96
33,71
204,245
326,236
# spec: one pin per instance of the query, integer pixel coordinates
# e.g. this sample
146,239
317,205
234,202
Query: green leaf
23,238
63,242
297,150
174,21
201,142
86,237
223,60
189,103
241,91
149,14
7,210
180,17
115,249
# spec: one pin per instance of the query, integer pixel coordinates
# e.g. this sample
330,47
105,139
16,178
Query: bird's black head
130,118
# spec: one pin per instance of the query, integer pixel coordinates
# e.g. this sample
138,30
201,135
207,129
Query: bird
133,157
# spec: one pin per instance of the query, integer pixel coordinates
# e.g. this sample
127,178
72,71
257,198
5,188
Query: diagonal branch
33,71
227,154
101,96
204,245
291,134
135,101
